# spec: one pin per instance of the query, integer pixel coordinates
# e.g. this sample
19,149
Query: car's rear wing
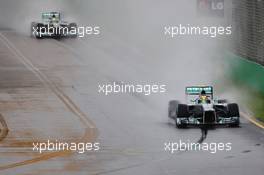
196,90
193,91
46,16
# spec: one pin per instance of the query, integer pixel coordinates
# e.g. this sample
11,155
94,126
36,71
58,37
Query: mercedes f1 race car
53,26
202,109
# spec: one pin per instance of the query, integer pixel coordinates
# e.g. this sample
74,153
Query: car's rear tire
233,111
39,27
182,112
32,27
172,109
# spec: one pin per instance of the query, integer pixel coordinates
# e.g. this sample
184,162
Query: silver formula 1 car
52,26
202,109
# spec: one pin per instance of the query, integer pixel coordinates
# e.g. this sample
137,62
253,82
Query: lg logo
217,5
211,4
211,7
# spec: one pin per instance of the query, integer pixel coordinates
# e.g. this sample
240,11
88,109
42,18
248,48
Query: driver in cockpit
203,98
54,19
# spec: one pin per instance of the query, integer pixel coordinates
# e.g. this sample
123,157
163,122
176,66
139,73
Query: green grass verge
256,104
249,77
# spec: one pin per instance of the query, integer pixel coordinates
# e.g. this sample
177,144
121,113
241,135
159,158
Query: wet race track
55,96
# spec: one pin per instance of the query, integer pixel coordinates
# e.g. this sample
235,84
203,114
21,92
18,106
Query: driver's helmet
53,18
203,97
203,93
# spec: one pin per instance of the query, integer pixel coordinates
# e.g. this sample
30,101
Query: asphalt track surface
49,90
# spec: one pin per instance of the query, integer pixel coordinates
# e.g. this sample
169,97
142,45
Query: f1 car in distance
203,109
52,26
